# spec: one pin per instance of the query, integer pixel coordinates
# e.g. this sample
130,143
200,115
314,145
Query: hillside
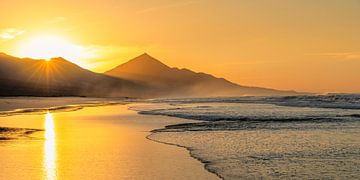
167,81
57,77
143,76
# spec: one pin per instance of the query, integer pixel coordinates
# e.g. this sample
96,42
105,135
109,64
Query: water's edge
76,107
189,149
18,133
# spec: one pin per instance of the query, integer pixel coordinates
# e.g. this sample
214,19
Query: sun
49,46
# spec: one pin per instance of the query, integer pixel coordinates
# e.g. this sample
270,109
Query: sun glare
50,147
49,46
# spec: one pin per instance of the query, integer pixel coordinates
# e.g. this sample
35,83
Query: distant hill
167,81
143,76
58,77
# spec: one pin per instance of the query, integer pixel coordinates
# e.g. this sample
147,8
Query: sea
277,137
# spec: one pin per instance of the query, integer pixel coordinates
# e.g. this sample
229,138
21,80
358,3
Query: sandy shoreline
14,103
121,151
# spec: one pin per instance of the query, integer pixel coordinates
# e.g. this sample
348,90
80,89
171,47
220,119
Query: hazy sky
305,45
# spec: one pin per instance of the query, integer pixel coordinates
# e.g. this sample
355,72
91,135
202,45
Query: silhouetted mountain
166,81
57,77
143,76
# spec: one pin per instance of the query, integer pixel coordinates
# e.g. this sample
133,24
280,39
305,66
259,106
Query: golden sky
304,45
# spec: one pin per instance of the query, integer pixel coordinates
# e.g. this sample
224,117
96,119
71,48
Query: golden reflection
50,148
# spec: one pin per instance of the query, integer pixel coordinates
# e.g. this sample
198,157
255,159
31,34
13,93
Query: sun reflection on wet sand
49,148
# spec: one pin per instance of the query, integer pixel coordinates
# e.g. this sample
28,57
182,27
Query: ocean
292,137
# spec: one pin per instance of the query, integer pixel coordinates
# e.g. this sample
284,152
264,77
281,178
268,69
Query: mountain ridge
183,82
143,76
57,77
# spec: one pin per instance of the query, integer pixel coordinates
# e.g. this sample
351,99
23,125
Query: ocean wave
255,112
251,116
285,154
266,137
341,101
321,124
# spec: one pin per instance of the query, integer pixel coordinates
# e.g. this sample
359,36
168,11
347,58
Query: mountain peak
145,54
146,58
60,59
144,63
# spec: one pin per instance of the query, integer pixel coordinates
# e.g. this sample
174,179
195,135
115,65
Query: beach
29,104
228,138
104,142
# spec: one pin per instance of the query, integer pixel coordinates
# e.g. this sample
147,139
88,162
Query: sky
302,45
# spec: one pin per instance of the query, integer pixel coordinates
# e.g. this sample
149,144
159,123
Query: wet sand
107,142
13,103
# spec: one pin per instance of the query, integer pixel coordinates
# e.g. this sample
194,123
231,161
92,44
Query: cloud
340,55
10,33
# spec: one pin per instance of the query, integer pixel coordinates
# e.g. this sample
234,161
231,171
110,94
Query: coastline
175,148
38,104
179,164
204,162
254,149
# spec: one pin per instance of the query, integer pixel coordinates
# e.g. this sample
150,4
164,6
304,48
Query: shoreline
205,163
161,122
12,104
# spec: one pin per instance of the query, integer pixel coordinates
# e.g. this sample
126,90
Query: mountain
58,77
166,81
143,76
